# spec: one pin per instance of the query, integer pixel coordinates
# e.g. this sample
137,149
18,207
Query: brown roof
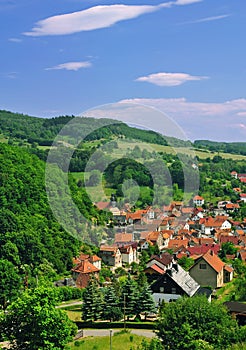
123,237
156,269
153,236
85,267
106,248
228,268
214,261
102,205
177,243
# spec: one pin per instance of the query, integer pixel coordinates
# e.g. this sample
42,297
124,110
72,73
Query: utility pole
110,338
124,311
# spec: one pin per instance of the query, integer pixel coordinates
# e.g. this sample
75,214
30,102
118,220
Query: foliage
227,248
185,262
154,344
145,302
92,306
9,283
111,310
129,297
195,319
33,322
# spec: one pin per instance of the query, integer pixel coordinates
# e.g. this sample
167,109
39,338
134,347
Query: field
123,146
119,342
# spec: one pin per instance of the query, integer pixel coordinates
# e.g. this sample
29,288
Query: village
174,233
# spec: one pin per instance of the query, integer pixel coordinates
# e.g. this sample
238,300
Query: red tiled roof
177,243
232,239
198,198
153,236
214,261
157,269
228,268
102,205
123,237
204,248
85,267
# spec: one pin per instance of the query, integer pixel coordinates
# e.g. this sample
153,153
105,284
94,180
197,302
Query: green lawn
119,342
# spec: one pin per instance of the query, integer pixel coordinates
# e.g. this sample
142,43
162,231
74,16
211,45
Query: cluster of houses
178,231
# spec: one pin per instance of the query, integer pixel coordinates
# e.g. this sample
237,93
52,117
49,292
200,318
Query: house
198,201
128,254
237,310
93,259
82,273
156,238
209,224
243,197
175,283
208,270
123,238
228,273
203,248
164,261
111,256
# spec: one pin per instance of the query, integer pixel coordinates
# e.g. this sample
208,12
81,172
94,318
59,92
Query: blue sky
185,57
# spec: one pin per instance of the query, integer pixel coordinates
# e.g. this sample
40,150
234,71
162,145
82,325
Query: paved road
74,303
105,332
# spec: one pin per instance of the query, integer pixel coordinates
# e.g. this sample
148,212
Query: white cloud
15,40
71,66
169,79
186,2
223,121
210,19
96,17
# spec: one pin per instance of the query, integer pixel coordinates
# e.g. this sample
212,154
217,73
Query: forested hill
43,130
29,234
224,147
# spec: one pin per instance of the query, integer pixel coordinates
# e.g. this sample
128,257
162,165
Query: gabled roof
183,280
198,198
177,243
214,261
203,248
153,236
123,237
85,267
156,268
102,205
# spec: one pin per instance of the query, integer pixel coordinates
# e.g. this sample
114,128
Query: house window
161,289
173,290
203,266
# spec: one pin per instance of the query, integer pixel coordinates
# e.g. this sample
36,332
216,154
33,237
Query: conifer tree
129,297
145,302
92,301
111,310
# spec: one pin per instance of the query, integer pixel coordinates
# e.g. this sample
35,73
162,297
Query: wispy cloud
169,79
223,121
15,40
208,19
96,17
71,66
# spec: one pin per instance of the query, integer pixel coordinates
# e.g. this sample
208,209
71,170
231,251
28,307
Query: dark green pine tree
111,310
129,297
145,302
92,301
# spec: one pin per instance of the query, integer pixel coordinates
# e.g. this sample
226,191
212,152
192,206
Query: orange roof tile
214,261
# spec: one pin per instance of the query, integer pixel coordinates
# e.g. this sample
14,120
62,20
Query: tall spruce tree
111,310
92,301
145,302
129,297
